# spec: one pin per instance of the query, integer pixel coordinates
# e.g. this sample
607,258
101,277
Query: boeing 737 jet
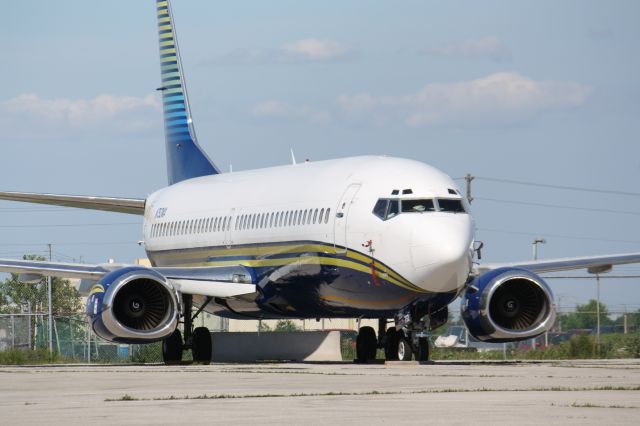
362,237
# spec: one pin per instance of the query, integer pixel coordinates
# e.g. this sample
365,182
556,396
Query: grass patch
591,405
127,397
30,357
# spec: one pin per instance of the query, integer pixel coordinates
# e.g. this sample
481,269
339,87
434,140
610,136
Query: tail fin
185,158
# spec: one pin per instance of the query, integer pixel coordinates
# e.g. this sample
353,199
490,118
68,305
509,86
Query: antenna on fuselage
293,158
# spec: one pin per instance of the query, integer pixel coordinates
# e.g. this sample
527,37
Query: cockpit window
417,206
394,209
386,209
448,205
380,209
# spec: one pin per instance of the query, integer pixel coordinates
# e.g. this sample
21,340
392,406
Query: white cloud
301,51
32,114
284,110
313,49
505,97
483,48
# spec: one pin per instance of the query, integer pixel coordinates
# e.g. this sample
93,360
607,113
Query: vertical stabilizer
185,158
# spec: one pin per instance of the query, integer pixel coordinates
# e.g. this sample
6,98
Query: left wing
185,280
593,263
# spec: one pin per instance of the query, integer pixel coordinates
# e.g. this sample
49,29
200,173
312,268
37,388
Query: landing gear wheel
366,345
172,348
405,352
201,346
391,344
423,349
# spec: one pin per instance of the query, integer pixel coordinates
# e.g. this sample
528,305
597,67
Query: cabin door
340,219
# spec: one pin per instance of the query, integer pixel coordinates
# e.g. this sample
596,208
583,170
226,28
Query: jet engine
508,304
133,305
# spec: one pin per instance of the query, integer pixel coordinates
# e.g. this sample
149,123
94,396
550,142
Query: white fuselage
330,202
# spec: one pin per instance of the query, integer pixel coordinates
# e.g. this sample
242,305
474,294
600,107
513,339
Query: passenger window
304,217
326,216
417,206
452,206
321,216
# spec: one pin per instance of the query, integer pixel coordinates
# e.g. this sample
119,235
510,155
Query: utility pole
598,314
468,178
50,299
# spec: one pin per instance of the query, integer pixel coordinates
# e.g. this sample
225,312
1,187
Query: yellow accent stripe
161,3
381,268
291,249
305,260
163,27
96,289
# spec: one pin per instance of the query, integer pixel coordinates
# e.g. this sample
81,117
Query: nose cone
441,251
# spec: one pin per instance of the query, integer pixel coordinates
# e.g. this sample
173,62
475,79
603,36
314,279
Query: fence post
13,331
88,344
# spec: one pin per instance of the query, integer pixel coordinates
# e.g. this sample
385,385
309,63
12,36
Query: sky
541,92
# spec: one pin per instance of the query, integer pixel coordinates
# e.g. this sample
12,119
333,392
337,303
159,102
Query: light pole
534,245
50,300
597,270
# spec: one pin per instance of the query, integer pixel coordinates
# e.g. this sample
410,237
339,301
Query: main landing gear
404,340
197,339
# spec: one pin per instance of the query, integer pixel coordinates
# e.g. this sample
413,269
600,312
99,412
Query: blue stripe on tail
185,158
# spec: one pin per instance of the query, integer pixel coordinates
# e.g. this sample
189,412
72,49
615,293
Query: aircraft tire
391,344
366,344
172,348
423,349
201,348
404,351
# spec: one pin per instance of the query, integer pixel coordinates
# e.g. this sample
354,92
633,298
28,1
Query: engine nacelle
133,305
508,304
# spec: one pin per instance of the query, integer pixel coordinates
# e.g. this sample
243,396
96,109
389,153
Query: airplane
362,237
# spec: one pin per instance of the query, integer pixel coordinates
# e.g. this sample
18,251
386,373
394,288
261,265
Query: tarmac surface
559,392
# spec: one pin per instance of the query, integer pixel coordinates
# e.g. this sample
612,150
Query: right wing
198,281
110,204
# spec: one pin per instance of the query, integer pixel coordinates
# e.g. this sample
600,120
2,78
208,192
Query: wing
110,204
593,263
186,280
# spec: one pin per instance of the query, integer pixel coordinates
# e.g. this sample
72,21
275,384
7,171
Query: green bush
28,356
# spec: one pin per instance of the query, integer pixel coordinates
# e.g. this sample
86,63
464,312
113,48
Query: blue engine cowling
133,305
508,304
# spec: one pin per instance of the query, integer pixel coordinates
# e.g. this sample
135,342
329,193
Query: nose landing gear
405,339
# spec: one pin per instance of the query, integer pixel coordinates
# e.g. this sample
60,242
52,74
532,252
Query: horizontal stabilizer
109,204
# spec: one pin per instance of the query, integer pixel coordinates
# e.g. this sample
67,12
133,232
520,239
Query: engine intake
508,304
133,304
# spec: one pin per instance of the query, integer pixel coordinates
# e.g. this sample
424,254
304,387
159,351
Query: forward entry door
341,216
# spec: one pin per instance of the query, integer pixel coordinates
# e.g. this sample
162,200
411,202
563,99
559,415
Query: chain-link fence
72,339
24,330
